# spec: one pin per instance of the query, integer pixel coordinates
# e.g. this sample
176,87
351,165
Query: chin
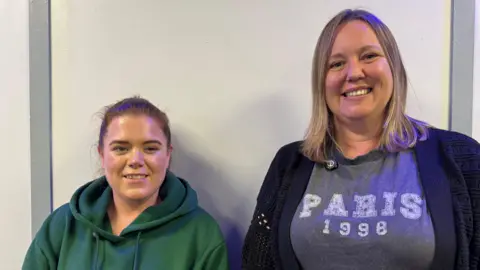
136,195
355,117
356,114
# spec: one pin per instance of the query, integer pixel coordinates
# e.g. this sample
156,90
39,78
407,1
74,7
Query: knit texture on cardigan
462,163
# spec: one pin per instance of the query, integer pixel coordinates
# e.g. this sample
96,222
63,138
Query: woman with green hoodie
138,215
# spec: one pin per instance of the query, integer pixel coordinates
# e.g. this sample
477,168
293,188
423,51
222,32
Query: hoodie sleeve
216,259
36,259
43,251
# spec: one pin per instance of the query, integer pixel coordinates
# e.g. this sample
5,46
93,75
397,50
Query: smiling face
358,82
135,156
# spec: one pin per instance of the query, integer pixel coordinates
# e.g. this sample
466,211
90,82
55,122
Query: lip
356,97
356,88
144,176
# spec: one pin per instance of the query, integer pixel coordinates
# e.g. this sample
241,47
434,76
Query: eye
119,149
151,149
335,65
370,56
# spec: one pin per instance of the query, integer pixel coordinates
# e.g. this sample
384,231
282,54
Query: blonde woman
369,187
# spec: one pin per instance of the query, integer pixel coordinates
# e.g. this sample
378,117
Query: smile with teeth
135,176
359,92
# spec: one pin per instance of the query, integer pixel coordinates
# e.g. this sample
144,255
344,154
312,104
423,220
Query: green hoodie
175,235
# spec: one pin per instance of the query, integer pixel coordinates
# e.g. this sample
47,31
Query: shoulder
205,226
462,150
286,154
285,157
207,237
204,218
57,219
456,143
290,148
453,136
51,232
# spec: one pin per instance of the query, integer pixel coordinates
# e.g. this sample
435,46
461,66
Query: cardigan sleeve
469,164
258,246
465,152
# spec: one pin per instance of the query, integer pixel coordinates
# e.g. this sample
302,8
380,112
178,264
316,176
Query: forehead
353,35
134,127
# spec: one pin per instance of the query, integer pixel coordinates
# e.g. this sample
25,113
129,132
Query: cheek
158,163
111,162
333,83
333,86
382,72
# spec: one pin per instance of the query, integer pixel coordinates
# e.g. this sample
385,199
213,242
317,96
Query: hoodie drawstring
95,256
135,258
137,247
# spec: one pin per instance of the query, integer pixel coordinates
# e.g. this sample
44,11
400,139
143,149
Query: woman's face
135,156
359,82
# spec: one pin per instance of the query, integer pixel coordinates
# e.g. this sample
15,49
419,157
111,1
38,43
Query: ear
169,155
100,153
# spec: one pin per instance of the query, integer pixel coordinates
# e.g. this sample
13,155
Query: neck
122,212
357,137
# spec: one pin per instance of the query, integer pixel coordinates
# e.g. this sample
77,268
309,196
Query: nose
136,159
354,71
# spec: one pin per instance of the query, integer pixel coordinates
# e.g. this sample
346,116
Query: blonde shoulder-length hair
399,130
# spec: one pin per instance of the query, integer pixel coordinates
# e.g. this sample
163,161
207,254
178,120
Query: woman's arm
257,247
217,258
43,251
465,153
36,259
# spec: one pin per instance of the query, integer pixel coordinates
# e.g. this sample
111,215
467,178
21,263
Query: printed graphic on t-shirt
368,214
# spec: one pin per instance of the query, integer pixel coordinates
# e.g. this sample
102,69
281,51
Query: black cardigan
449,169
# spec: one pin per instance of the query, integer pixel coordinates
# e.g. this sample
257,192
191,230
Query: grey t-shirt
369,213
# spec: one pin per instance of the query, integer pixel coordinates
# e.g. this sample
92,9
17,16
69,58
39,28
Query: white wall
476,76
234,76
15,206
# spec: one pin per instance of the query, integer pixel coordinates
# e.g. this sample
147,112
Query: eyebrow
362,49
126,142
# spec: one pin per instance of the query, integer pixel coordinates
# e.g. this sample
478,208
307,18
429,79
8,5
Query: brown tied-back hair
135,105
399,132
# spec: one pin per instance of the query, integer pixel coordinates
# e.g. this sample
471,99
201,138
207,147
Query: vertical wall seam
450,86
461,66
40,112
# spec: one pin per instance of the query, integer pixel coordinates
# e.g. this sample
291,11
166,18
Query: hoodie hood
174,234
90,202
